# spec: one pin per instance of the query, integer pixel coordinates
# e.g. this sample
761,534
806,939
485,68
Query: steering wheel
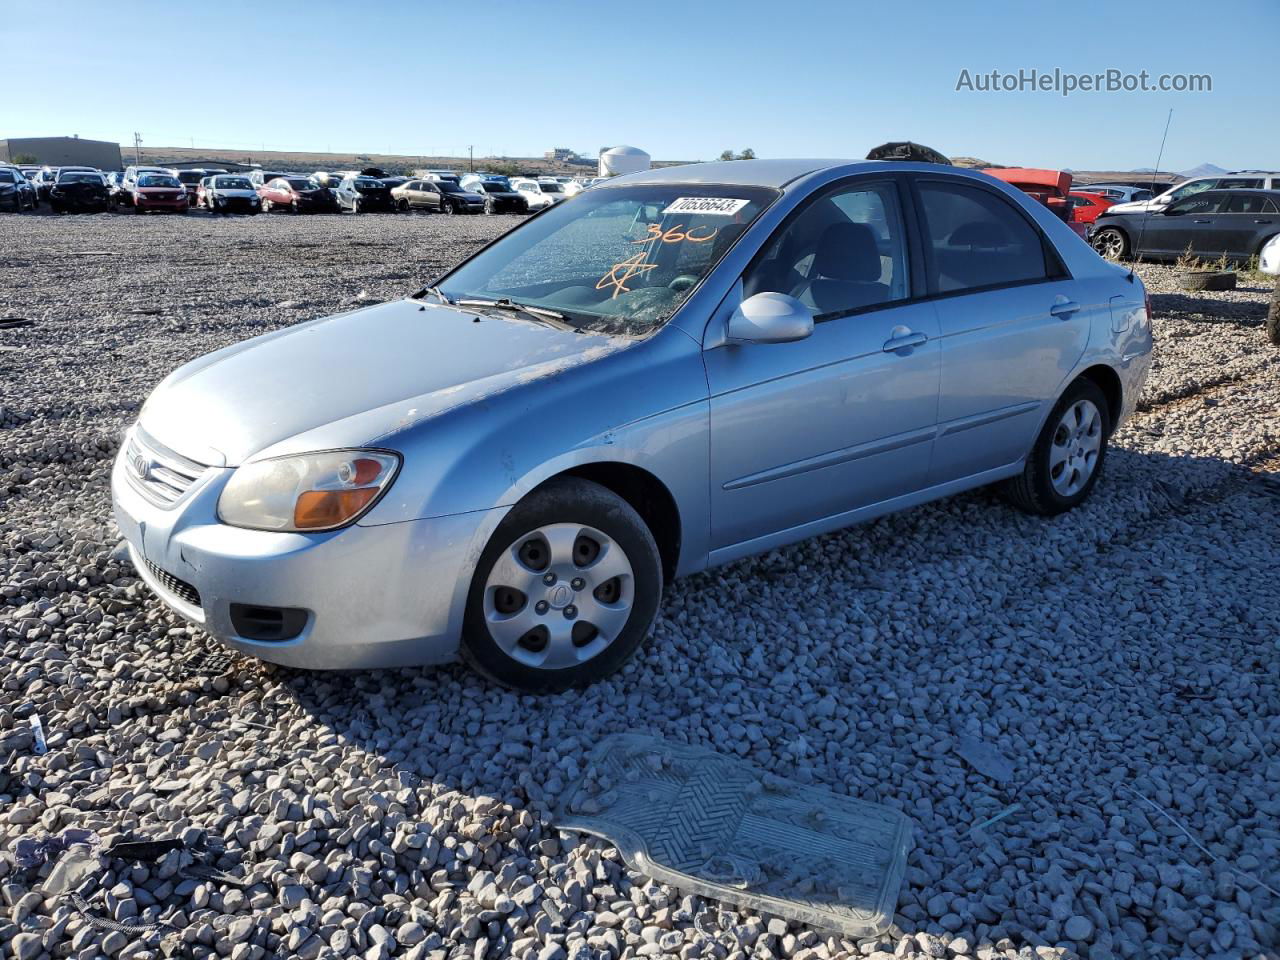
682,282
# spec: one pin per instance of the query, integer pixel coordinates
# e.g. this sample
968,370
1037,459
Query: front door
1181,228
805,431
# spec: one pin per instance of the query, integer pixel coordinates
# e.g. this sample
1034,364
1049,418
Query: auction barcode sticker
718,206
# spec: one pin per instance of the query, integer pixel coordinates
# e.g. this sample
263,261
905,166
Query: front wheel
1067,458
447,208
565,591
1111,244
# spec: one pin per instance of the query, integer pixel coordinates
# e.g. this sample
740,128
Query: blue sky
683,80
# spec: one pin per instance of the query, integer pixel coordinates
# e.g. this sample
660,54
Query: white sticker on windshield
716,206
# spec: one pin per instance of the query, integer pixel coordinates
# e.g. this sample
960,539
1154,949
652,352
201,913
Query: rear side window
1247,203
977,239
1241,183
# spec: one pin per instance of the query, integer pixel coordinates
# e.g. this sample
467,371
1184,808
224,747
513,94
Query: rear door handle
1064,308
904,339
1262,221
1201,221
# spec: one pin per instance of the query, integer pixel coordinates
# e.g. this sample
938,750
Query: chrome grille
179,588
158,473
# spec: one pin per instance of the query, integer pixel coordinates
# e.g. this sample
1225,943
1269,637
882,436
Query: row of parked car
158,189
1230,215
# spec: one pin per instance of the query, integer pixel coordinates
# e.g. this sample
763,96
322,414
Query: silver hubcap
558,596
1077,443
1110,245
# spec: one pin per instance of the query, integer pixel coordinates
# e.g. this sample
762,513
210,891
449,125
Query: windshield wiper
439,294
541,314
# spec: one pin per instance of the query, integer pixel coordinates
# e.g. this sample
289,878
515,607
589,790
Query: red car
297,195
1087,206
1050,187
159,191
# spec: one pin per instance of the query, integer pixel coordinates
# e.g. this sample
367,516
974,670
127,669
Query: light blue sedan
671,371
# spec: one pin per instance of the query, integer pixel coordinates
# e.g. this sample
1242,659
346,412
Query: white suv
1236,180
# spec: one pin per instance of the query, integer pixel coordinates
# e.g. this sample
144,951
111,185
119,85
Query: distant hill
1204,170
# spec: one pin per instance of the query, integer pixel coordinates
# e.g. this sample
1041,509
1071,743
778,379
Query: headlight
313,491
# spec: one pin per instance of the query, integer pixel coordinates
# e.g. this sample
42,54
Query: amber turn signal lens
317,509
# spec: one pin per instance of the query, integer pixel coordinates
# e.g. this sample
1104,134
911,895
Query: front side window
844,252
1195,205
977,239
617,261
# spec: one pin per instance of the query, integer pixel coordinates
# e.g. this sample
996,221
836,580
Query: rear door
1243,225
1012,326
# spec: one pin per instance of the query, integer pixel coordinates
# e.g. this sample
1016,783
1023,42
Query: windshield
158,180
368,183
491,187
79,178
528,187
300,184
551,188
613,261
448,186
232,183
190,176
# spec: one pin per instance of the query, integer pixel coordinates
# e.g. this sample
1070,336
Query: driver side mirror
770,318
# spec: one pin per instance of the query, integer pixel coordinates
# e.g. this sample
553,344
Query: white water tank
619,160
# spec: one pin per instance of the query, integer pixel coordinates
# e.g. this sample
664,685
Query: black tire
355,206
402,205
1032,491
1111,244
566,501
447,207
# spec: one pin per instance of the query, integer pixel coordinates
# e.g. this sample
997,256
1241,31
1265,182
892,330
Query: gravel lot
1123,658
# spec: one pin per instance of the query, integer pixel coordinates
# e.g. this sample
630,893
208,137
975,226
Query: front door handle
1064,308
1201,221
1262,221
904,339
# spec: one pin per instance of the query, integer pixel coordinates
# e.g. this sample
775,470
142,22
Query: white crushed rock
1123,659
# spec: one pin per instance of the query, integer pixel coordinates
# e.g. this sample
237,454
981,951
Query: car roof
778,173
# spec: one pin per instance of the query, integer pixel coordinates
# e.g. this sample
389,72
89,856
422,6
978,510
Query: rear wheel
1067,458
447,207
1111,244
402,205
565,591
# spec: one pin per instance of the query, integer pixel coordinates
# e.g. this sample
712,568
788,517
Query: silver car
680,368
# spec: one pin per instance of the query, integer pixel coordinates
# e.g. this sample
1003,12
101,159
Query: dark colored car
453,199
190,180
159,192
417,195
500,198
297,195
77,191
363,194
16,193
43,182
1233,223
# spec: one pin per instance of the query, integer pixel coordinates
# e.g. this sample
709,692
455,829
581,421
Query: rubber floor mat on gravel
716,826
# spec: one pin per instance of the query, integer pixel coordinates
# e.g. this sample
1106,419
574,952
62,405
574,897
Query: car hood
413,360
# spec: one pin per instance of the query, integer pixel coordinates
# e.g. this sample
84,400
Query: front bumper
143,203
376,596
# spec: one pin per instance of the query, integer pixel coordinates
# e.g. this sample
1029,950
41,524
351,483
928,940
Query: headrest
980,233
848,251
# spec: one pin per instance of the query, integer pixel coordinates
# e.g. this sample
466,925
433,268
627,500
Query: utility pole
137,149
471,153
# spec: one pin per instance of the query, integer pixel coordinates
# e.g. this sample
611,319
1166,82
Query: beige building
63,152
